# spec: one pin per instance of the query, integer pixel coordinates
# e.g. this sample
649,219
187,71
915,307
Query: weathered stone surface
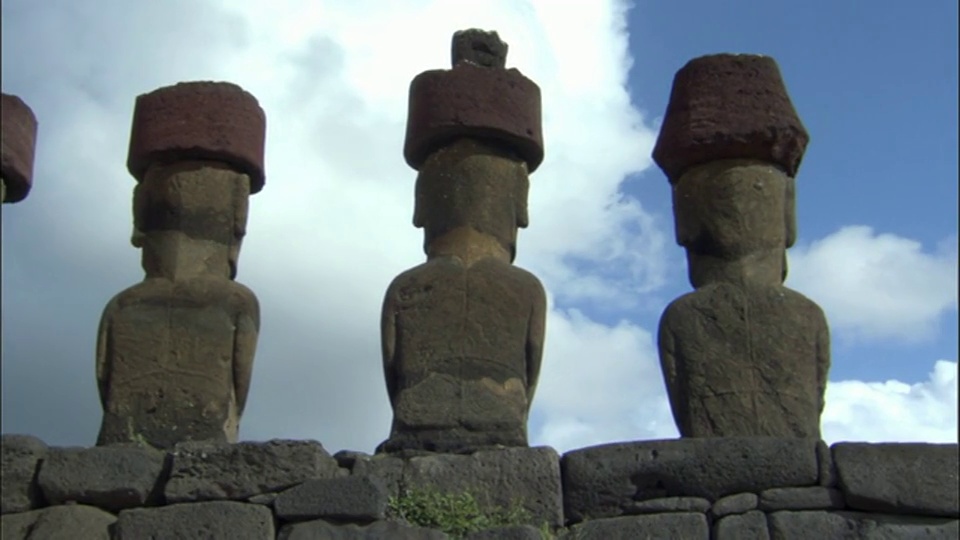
213,121
734,504
351,498
346,458
17,145
515,532
238,471
901,478
479,48
742,355
477,99
828,470
112,478
20,457
729,106
669,504
216,519
70,522
528,477
175,352
265,499
603,481
752,525
462,334
321,530
385,468
690,526
855,526
801,498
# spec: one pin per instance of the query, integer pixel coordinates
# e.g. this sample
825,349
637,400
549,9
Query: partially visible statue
175,352
18,143
462,334
742,355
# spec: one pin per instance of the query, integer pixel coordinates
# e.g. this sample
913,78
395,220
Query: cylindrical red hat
18,144
215,121
729,106
473,101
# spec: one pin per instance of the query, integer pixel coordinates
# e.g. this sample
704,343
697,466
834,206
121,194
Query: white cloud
599,384
894,411
877,285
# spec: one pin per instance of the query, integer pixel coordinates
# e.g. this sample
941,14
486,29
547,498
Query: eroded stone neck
468,245
175,256
760,269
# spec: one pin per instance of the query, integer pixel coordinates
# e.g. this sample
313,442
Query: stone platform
727,488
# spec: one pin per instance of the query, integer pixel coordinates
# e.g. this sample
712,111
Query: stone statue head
731,208
472,184
191,209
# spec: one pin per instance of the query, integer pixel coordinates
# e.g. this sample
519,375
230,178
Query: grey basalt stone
322,530
786,525
899,478
215,519
348,499
734,504
752,525
828,469
528,477
20,457
515,532
202,471
606,480
108,477
669,504
802,498
689,526
68,522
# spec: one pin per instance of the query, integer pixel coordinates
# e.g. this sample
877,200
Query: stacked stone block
19,140
742,355
175,352
708,488
462,334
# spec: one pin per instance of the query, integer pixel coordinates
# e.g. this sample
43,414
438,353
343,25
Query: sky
877,198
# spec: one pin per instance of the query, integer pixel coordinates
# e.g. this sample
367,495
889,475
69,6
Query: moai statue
18,143
742,355
175,352
462,334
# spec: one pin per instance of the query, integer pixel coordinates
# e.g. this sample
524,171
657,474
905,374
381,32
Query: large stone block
855,526
207,520
528,477
515,532
734,504
321,530
605,481
238,471
900,478
70,522
108,477
214,121
20,457
688,526
802,498
752,525
351,499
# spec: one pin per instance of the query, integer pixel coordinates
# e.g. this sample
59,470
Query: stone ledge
699,488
